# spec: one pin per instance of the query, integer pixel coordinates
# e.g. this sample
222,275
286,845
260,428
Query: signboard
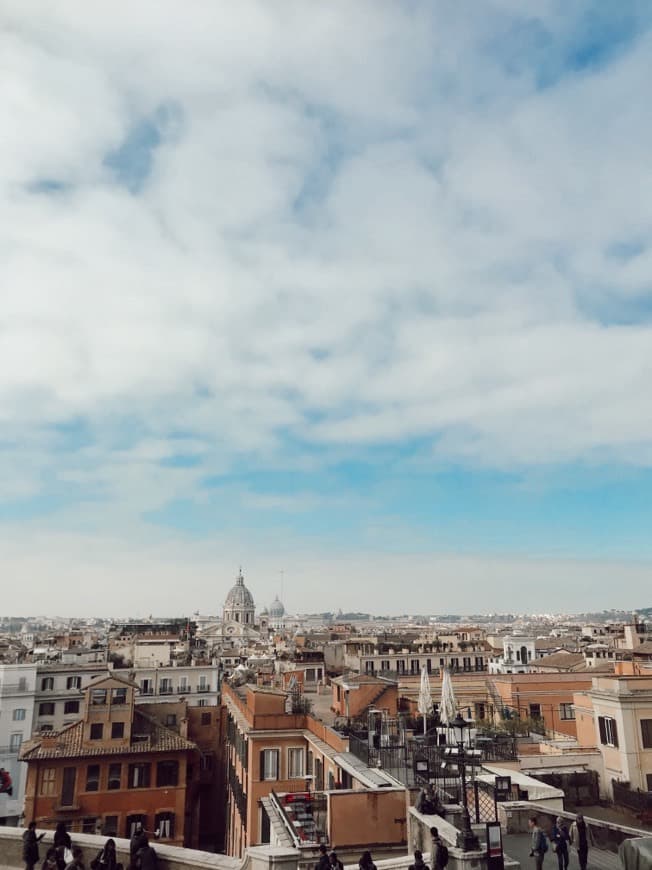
503,788
495,860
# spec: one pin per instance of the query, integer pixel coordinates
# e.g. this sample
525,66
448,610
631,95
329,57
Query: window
71,707
110,826
138,776
73,683
117,730
203,702
608,731
48,782
535,711
15,742
115,777
206,762
46,709
98,697
296,768
171,720
167,773
205,718
19,714
269,764
164,824
97,729
648,779
93,777
89,825
119,696
203,685
566,711
646,733
146,687
166,686
47,684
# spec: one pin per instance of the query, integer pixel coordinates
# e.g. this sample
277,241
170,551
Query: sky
355,295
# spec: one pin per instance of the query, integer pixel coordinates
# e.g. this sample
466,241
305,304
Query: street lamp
466,839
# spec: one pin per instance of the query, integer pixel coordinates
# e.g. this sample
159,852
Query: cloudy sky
357,292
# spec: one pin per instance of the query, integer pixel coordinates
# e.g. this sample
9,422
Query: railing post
477,801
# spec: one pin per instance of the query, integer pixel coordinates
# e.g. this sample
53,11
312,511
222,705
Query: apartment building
59,696
198,684
546,697
17,691
275,759
615,715
113,768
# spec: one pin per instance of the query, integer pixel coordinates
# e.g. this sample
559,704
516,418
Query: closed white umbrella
448,705
425,697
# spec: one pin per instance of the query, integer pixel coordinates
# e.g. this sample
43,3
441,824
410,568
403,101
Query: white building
17,691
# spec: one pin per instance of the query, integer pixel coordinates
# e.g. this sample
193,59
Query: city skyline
357,293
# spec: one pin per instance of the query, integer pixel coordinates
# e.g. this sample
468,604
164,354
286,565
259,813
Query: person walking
560,839
538,844
366,861
30,846
581,839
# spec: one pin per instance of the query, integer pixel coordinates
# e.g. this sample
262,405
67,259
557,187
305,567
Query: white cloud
358,227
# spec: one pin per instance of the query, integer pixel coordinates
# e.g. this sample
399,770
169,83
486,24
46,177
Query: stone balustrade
170,857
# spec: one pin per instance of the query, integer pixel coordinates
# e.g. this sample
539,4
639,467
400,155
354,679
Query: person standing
335,862
366,861
324,862
538,845
30,846
419,863
439,851
77,862
580,837
560,838
62,842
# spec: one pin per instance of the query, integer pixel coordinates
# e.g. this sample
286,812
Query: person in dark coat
107,858
62,842
580,835
335,862
324,862
419,863
366,862
138,841
560,839
30,846
146,858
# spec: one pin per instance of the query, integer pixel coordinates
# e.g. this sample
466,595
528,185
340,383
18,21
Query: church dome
276,609
239,596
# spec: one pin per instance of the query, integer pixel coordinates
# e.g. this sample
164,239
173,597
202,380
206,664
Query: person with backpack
560,839
418,862
439,851
324,862
538,843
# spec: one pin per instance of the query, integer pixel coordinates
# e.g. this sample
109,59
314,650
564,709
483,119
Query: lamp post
466,839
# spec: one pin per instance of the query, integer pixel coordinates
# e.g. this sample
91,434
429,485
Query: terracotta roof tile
69,742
